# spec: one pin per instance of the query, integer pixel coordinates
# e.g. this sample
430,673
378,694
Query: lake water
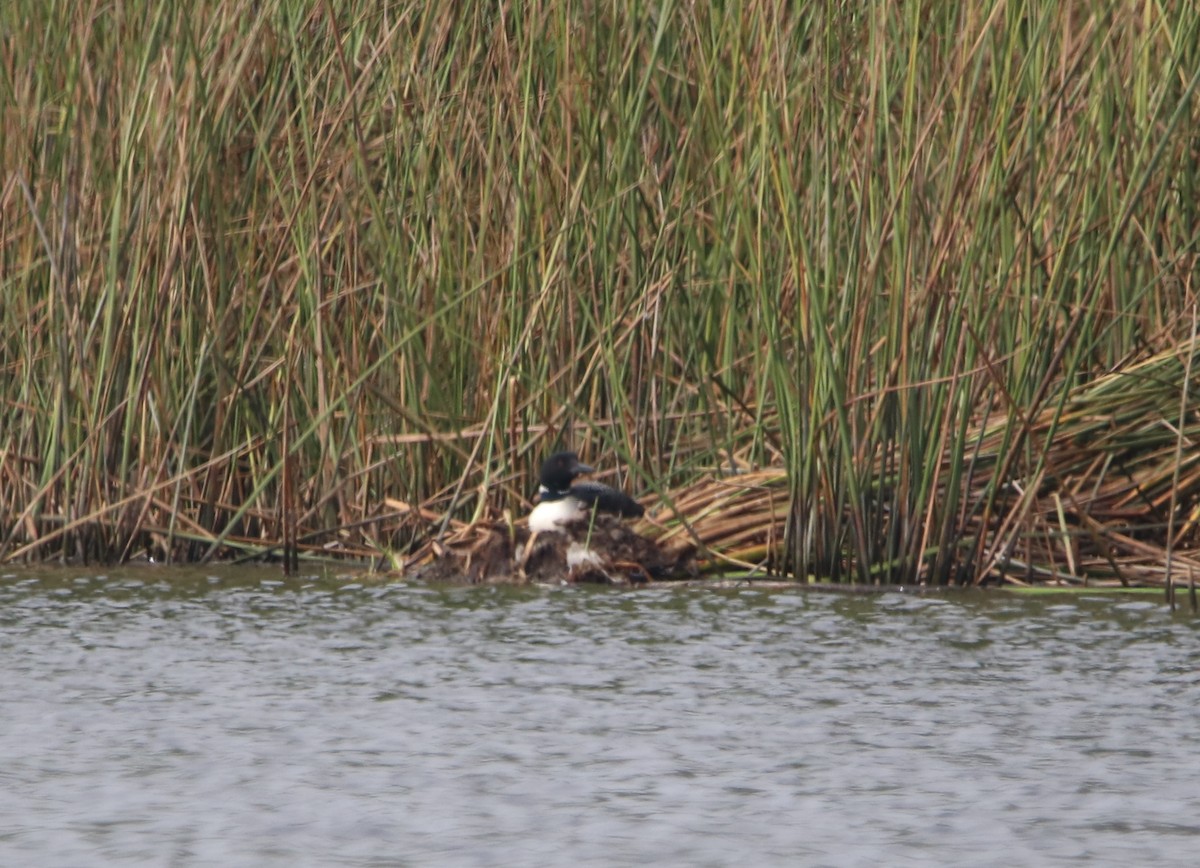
226,717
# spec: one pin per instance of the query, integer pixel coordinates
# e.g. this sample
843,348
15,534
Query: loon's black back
595,495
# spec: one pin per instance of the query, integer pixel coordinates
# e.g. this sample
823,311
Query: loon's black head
558,472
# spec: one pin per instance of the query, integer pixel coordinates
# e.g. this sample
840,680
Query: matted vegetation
860,291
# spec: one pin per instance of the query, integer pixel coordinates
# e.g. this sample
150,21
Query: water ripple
234,719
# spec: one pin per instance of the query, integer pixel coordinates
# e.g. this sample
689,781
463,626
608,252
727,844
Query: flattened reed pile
1109,493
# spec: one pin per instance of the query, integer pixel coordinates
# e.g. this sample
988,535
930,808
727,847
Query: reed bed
862,292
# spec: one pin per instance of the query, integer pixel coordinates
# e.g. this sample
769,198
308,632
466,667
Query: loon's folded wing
606,499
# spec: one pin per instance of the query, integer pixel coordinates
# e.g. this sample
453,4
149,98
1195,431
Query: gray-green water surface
230,718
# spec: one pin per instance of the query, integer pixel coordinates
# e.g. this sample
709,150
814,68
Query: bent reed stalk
869,292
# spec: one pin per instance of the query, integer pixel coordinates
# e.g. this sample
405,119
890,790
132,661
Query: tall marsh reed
264,263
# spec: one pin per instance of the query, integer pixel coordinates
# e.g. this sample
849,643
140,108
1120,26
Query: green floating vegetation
1052,590
871,292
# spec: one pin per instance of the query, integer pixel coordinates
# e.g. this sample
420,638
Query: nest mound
603,551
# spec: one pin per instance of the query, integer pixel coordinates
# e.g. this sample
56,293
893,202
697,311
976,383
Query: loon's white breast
553,515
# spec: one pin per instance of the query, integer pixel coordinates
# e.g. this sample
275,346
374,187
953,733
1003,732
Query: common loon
563,504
